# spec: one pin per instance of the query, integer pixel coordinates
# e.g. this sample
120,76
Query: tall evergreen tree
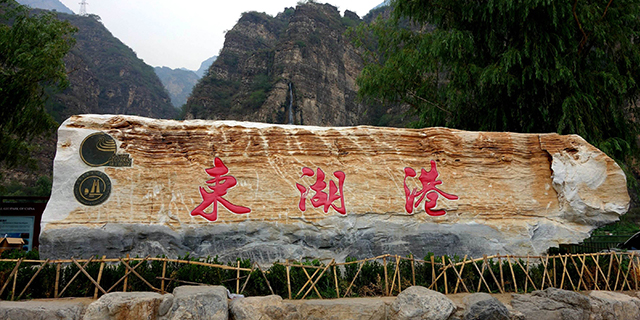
31,50
511,65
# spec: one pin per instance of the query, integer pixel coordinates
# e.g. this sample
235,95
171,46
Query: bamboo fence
613,271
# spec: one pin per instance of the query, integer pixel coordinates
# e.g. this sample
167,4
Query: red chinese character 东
219,185
428,191
321,198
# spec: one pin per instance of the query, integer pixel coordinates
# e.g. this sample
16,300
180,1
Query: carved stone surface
486,192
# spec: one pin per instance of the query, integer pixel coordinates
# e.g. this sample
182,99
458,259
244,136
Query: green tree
510,65
32,46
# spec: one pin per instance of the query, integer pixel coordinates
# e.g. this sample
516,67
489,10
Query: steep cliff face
106,76
297,67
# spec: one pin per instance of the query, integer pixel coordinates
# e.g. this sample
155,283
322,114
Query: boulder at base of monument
138,186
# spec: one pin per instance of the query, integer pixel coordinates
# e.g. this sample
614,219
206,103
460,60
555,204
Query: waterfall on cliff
290,104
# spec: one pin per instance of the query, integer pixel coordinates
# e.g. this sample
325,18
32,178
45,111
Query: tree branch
584,35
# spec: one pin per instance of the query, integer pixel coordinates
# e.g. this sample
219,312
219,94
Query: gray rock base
362,236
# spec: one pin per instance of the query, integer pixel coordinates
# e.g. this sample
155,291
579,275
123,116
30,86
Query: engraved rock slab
267,192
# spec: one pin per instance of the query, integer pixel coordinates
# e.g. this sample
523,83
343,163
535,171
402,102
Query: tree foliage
31,50
510,65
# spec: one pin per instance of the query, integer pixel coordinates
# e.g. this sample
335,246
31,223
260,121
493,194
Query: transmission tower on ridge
83,8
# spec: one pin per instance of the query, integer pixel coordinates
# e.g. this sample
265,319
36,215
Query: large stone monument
125,184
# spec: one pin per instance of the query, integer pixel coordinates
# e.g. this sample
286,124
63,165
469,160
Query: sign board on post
19,219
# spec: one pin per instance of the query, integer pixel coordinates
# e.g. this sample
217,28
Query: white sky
183,33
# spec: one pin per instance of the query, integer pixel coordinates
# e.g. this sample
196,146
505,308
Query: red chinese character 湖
428,191
219,185
321,198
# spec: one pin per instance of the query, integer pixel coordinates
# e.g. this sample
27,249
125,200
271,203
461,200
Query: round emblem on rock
92,188
97,149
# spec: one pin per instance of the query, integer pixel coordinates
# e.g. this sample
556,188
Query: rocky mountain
53,5
204,66
107,77
178,83
297,67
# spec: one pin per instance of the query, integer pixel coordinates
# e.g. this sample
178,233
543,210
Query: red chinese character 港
429,190
219,185
321,198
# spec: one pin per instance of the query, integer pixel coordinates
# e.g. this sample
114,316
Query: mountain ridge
297,67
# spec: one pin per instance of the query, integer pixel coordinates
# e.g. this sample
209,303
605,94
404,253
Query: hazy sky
186,32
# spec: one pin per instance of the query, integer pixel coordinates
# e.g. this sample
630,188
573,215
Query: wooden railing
612,271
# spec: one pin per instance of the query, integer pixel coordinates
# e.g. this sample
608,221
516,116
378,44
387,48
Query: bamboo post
353,281
386,276
413,269
434,283
459,275
626,275
335,277
139,276
580,282
564,270
398,260
595,283
526,272
126,277
289,279
554,273
127,272
527,276
238,279
492,274
611,255
545,273
265,278
247,281
446,286
395,273
601,272
310,280
618,260
15,279
57,285
481,277
513,275
501,274
74,277
95,292
635,270
88,276
14,273
164,272
318,279
29,283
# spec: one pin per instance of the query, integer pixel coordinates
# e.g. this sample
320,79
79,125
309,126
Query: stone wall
211,302
125,184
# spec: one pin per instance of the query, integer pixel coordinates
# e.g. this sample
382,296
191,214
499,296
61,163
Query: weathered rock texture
298,67
274,308
421,303
209,302
125,305
517,193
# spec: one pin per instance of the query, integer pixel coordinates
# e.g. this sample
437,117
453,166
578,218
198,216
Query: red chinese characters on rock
219,186
428,191
321,198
